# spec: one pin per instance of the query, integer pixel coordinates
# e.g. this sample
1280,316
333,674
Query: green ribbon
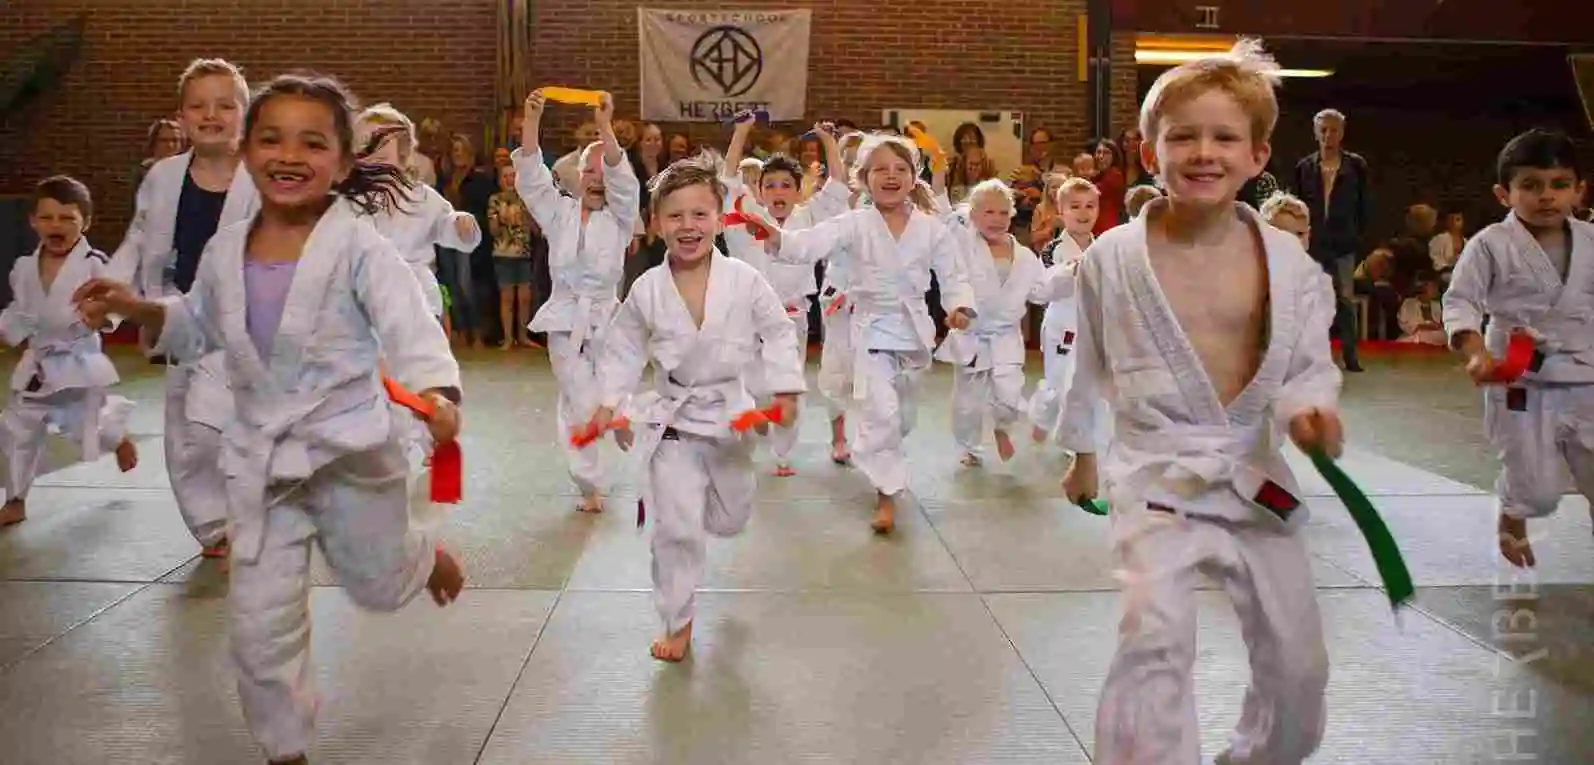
1386,554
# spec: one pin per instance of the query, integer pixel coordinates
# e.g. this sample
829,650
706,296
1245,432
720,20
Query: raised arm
811,245
621,188
533,180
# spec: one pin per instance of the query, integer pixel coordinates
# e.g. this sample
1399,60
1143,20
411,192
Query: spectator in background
1136,198
1129,142
164,139
971,167
648,157
1421,315
513,231
1048,221
677,147
1109,180
467,275
1375,279
626,133
1444,249
1333,183
1411,248
501,157
1258,190
1083,165
431,151
1029,180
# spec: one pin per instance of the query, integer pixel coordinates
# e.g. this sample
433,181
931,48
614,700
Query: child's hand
601,419
1318,430
535,102
603,113
94,315
444,424
958,319
1079,483
624,437
101,296
1480,367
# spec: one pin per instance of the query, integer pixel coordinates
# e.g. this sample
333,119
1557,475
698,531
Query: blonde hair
1138,197
1421,213
213,67
1077,184
920,195
385,114
993,187
700,170
1287,203
1245,72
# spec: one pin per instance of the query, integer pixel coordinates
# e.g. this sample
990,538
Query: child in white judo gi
988,358
182,202
1532,273
1078,205
423,220
60,380
834,381
588,236
888,248
1288,213
777,196
1203,383
700,319
303,301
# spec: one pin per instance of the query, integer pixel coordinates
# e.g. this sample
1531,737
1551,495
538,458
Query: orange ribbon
447,461
1519,355
587,434
752,418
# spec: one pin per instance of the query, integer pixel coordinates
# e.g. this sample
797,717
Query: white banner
704,66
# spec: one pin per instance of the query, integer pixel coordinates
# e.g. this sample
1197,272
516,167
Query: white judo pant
576,370
696,487
357,510
998,390
82,415
1537,430
193,452
835,361
782,439
1057,358
884,418
1147,710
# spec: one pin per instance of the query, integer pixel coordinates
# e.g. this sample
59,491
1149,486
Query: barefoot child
587,240
889,249
988,357
1532,272
424,219
1202,383
834,381
700,319
1079,204
182,202
63,373
777,196
303,302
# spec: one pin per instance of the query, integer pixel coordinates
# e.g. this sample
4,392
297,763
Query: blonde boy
1202,382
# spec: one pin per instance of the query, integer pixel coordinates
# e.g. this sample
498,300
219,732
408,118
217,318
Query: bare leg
839,453
523,315
506,318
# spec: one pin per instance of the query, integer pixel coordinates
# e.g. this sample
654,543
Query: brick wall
436,59
427,57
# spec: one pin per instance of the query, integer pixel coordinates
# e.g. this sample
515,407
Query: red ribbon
738,218
1518,357
836,304
447,461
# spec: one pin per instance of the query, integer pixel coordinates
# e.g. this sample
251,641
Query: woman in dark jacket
468,276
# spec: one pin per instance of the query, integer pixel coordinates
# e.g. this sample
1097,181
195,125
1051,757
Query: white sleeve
1312,380
413,343
1466,300
443,216
625,354
1079,429
783,365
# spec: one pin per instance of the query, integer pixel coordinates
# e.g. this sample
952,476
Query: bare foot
1004,445
1514,542
300,760
885,515
506,345
592,503
1038,434
14,512
447,579
126,455
784,471
673,648
970,459
839,453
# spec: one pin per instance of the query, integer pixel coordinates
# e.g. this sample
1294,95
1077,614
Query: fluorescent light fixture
1175,57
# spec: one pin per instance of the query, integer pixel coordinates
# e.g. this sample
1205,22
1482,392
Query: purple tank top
265,292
